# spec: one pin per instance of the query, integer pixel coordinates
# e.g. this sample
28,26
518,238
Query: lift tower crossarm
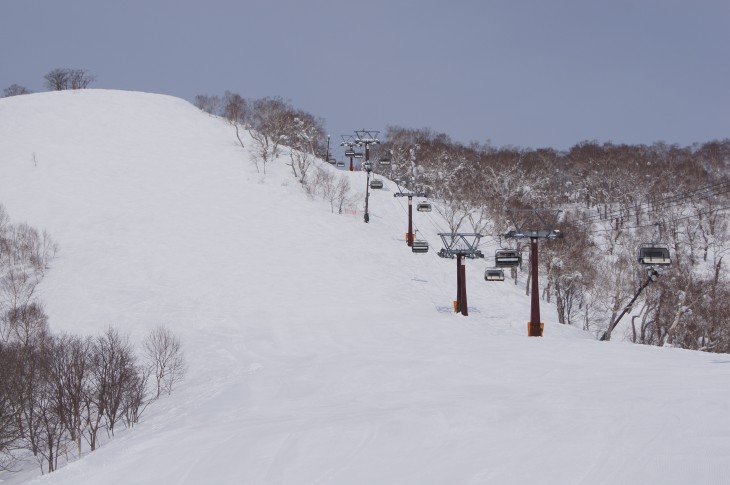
367,137
462,243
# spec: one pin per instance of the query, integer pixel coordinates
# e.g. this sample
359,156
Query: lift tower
367,138
460,245
349,142
410,195
534,224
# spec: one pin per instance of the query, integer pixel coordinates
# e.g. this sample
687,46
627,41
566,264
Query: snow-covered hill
320,349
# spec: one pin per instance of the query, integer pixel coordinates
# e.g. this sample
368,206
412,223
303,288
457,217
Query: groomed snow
320,350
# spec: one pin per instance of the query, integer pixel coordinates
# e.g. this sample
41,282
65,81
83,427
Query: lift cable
665,203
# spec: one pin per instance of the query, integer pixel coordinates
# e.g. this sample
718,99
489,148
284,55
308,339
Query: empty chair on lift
507,258
349,152
652,254
376,184
358,155
384,162
493,274
420,246
423,207
340,163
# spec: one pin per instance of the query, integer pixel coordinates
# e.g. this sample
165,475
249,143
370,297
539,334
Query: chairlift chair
384,162
507,258
376,184
420,246
652,254
340,164
350,152
332,161
423,207
358,155
494,274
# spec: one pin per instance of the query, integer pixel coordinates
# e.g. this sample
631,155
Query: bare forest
62,395
613,198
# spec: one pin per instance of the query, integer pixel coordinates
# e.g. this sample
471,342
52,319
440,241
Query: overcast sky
533,73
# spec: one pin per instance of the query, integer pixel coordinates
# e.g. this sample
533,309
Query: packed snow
320,349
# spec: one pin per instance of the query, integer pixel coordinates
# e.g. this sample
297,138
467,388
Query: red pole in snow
457,306
409,236
462,275
535,327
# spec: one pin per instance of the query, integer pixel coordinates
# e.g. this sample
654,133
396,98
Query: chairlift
384,162
367,166
349,152
340,164
423,207
420,246
333,161
494,274
357,154
376,184
507,258
652,254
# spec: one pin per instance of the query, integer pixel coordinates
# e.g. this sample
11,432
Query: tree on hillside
15,90
61,79
9,432
235,109
209,104
270,124
304,140
163,351
70,376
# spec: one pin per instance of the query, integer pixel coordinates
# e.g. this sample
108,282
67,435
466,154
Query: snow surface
320,349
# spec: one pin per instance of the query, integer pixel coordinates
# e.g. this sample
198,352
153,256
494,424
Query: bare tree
61,79
80,79
15,90
27,388
57,79
70,373
165,359
209,104
135,398
305,140
321,183
114,369
342,193
26,323
9,432
235,110
270,125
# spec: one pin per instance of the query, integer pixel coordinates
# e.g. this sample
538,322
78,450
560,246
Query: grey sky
531,73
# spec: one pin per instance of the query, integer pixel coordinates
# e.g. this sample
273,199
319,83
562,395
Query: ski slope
320,349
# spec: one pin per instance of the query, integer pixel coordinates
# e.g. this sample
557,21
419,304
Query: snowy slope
320,350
